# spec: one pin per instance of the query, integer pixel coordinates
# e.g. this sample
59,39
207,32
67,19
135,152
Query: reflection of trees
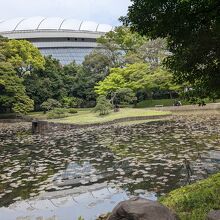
206,163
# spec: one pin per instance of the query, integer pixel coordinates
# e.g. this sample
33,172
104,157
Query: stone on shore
141,209
213,215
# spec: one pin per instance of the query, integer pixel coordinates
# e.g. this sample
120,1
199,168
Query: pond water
110,163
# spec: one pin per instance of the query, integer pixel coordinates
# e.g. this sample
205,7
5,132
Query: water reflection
95,202
76,174
155,157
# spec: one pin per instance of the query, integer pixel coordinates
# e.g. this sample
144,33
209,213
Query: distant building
64,39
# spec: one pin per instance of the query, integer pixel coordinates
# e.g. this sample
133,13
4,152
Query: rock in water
214,215
141,209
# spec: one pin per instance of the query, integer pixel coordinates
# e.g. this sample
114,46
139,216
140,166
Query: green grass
135,122
165,102
193,202
152,102
89,117
39,115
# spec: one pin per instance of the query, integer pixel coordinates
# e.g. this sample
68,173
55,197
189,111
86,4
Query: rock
213,215
141,209
103,217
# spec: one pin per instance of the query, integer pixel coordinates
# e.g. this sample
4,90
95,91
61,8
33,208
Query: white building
64,39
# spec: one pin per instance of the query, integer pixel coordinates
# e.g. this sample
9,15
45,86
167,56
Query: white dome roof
52,23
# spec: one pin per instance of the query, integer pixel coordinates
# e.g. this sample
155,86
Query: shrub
57,113
71,102
195,201
50,104
103,105
72,110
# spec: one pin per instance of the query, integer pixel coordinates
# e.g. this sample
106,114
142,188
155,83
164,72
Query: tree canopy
23,55
138,76
13,96
123,46
191,28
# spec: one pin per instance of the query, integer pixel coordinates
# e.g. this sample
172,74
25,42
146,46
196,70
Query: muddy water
154,158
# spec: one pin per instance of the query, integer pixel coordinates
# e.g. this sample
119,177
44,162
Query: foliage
192,31
138,76
122,38
123,96
50,104
97,63
103,105
130,77
123,46
71,102
72,110
81,83
195,201
42,85
13,96
153,102
23,55
57,113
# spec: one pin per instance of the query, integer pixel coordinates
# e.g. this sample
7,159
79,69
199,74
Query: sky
100,11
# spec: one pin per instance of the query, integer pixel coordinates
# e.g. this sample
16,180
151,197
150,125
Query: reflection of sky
214,156
210,161
88,205
206,163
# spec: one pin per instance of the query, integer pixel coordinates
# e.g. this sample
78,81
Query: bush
103,105
72,110
195,201
50,104
71,102
57,113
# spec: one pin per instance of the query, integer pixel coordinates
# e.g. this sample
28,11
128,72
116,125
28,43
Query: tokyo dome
65,39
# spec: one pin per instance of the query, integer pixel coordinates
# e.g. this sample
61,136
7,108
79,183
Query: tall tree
138,76
48,83
98,64
125,46
13,96
191,28
23,55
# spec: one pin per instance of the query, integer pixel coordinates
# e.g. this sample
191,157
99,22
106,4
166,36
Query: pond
97,167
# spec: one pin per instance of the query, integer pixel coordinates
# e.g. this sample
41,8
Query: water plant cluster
161,155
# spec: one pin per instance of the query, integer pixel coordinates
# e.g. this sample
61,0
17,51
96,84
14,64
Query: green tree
125,46
71,102
45,84
103,105
13,96
122,96
23,55
191,28
133,76
119,44
137,77
122,38
151,51
97,64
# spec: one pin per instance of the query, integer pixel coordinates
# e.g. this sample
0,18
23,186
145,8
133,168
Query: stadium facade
64,39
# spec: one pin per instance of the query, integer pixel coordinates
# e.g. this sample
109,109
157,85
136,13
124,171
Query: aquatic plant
195,201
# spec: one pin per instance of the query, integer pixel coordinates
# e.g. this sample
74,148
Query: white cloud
102,11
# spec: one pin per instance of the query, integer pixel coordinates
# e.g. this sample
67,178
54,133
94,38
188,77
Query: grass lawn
89,117
152,102
165,102
127,123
